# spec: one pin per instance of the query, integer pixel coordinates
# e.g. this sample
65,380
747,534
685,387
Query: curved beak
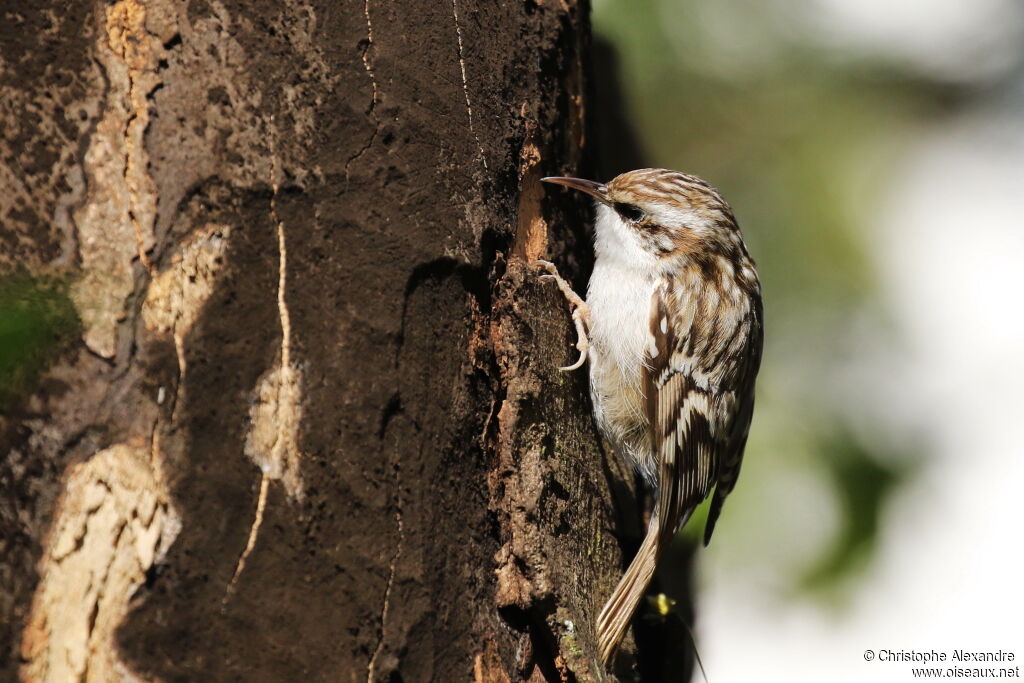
595,189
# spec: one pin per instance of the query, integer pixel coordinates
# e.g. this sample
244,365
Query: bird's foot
580,312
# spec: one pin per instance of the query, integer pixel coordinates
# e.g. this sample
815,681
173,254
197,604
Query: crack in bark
372,109
254,532
371,668
465,83
366,59
282,275
284,386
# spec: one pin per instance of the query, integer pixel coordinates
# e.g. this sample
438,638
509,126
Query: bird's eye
631,213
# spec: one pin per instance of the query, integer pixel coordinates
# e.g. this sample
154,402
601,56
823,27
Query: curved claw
582,343
580,313
575,366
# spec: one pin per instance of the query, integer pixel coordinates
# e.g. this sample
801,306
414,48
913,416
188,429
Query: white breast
619,297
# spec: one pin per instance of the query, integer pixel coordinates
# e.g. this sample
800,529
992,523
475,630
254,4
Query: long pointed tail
617,613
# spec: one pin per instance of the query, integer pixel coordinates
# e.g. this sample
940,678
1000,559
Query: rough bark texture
310,425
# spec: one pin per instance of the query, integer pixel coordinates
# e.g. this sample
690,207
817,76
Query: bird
672,329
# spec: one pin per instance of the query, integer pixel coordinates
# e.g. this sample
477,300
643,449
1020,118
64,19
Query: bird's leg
580,311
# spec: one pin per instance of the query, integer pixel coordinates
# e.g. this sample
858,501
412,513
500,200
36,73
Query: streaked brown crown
669,187
703,227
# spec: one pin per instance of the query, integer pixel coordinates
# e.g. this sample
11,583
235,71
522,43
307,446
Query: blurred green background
796,142
807,116
37,321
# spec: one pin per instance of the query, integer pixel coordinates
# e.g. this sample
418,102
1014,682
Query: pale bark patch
113,521
176,296
115,222
531,237
272,441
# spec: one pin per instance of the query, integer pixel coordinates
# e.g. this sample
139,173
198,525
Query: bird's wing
698,384
742,410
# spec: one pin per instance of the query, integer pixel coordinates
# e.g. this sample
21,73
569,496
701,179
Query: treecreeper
672,329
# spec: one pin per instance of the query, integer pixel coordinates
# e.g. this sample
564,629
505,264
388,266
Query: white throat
617,243
619,296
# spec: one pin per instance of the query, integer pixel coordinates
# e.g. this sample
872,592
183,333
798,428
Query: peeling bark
313,425
114,519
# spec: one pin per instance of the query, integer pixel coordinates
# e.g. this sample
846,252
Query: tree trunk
308,422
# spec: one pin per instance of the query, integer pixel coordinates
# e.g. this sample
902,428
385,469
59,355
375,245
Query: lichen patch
272,442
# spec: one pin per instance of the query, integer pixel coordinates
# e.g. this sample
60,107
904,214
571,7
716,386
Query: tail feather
615,617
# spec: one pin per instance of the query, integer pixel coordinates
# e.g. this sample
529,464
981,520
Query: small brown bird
672,327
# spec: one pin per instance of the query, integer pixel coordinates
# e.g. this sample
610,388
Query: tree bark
309,422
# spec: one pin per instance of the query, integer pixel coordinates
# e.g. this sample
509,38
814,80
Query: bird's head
664,213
